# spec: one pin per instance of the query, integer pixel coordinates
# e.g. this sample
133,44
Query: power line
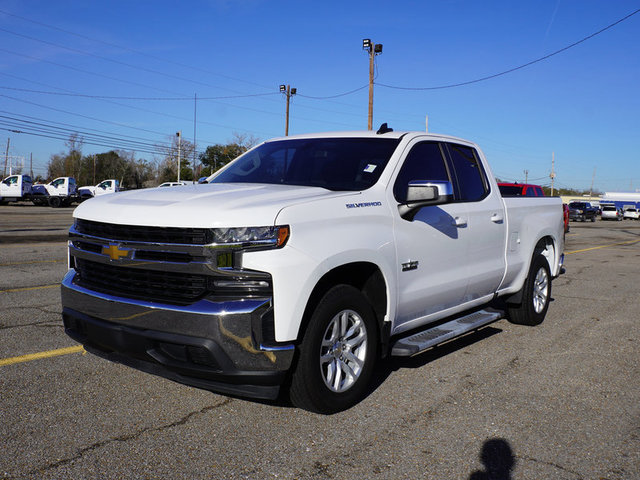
489,77
111,97
129,49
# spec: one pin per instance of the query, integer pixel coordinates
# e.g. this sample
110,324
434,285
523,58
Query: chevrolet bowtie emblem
115,252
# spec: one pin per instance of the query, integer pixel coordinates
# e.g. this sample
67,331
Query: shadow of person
498,460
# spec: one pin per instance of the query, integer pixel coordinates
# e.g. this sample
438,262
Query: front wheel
337,353
536,294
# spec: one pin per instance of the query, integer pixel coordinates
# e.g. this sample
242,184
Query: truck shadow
391,364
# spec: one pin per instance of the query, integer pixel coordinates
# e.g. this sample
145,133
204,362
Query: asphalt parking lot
557,401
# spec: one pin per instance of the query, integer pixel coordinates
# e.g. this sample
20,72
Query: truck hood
206,205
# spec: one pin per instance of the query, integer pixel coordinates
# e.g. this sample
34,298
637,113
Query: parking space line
603,246
37,356
25,289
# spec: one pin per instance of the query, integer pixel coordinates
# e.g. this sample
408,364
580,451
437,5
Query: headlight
252,237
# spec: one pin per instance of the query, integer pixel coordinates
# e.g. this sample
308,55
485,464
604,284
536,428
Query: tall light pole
288,91
179,134
552,175
373,49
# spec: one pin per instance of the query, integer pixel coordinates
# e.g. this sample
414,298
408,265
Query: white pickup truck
15,188
106,186
305,261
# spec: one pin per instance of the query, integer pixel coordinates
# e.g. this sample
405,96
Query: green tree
217,156
69,163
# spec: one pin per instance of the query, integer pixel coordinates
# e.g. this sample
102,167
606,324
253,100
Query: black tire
341,337
55,202
536,294
593,219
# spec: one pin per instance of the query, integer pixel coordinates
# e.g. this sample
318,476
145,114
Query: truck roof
372,134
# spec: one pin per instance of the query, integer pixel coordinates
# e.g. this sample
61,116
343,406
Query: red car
565,215
520,190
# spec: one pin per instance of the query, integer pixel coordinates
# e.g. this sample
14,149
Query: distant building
622,199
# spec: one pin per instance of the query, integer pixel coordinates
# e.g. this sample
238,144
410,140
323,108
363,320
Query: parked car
520,190
631,214
582,211
565,216
611,212
173,184
106,186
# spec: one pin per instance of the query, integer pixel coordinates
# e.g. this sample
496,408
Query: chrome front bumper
215,345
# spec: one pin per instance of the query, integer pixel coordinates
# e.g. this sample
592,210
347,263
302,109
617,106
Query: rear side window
471,180
424,162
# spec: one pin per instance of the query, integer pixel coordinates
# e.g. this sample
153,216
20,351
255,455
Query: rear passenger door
485,216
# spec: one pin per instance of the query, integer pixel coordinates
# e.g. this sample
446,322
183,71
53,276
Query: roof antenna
384,129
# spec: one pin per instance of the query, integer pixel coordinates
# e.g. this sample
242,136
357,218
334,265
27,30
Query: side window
530,192
468,171
539,192
424,162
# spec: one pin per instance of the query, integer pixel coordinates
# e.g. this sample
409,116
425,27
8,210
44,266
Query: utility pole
195,103
179,134
94,168
373,49
552,175
6,158
592,180
288,91
426,123
31,165
526,176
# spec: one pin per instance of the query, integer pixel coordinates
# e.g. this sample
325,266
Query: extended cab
307,259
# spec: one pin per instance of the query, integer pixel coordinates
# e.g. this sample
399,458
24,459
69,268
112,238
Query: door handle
460,221
497,218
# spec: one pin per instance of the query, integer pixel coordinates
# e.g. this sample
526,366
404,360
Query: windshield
333,163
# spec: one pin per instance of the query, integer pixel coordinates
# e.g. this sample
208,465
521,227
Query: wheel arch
366,277
549,250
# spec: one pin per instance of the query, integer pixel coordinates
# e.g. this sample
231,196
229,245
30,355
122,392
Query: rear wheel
536,294
337,353
55,202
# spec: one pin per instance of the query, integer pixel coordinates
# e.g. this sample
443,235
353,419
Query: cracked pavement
556,401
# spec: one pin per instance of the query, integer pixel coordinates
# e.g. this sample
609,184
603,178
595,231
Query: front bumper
215,345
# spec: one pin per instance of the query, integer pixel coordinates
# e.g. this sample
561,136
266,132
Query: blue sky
582,105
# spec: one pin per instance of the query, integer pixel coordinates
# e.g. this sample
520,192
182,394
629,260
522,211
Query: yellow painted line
603,246
30,263
26,289
40,355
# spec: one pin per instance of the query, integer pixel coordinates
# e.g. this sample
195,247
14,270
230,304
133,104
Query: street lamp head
283,88
294,91
378,48
366,44
178,134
